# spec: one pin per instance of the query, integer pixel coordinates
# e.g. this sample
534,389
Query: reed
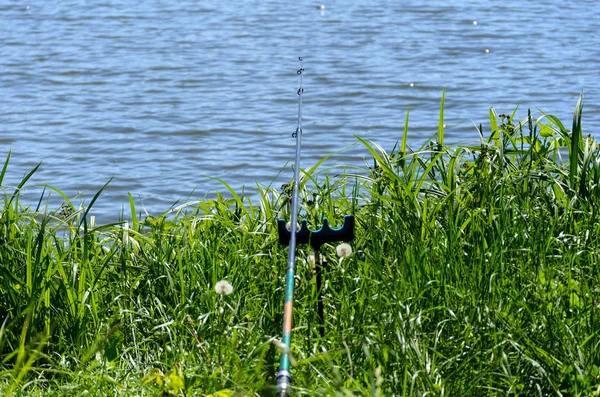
474,272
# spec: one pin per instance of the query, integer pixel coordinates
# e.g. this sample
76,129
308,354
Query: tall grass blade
381,162
89,207
440,134
4,168
494,126
22,183
576,137
61,194
404,142
133,213
235,196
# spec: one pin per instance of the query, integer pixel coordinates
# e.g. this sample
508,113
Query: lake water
162,94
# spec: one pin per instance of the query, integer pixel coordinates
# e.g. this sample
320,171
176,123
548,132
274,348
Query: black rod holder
316,238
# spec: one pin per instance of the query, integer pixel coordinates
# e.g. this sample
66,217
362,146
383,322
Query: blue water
163,94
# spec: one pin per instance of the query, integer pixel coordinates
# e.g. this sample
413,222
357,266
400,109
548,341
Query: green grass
475,272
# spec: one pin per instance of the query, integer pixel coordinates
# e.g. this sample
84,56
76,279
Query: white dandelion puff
224,287
343,250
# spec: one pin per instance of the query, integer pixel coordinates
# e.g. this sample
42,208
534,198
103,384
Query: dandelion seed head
224,287
343,250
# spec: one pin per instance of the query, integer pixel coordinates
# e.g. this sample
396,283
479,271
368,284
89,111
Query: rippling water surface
163,94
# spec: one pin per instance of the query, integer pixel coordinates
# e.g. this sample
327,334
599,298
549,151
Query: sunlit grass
474,272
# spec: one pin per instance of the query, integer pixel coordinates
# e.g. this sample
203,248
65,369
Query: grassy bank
474,272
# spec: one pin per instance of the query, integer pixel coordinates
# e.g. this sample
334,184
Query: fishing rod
301,234
284,377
